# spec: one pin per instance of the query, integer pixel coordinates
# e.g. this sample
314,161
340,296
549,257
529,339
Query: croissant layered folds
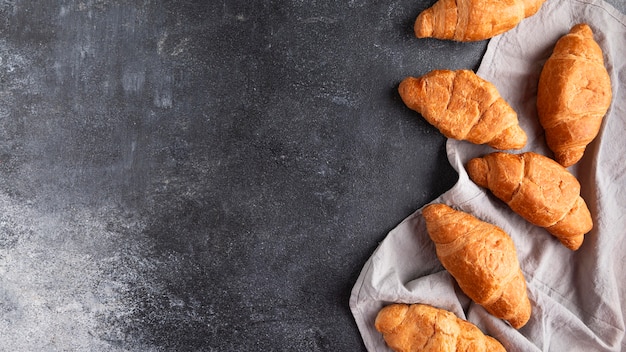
537,188
482,259
419,327
574,94
472,20
464,106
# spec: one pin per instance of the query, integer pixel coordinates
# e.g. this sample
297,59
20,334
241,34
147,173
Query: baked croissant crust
482,259
419,327
537,188
574,94
464,106
472,20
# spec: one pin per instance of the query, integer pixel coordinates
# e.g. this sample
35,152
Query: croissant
419,327
464,106
573,95
472,20
482,259
537,188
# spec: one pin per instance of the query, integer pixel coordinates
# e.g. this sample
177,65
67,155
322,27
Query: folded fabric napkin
578,297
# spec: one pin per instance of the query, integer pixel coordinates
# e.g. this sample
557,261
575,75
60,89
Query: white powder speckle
133,80
54,294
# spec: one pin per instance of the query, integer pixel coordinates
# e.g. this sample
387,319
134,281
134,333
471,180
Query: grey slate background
205,176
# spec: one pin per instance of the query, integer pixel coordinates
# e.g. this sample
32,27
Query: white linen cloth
578,297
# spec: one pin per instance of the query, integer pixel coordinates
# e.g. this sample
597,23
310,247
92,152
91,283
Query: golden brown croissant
472,20
419,327
537,188
482,259
464,106
574,94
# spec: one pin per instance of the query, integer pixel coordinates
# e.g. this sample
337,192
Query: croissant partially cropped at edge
464,106
538,189
420,327
573,95
482,259
472,20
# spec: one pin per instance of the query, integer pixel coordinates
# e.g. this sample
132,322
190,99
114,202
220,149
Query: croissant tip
433,210
424,24
477,170
513,137
406,84
390,317
583,29
519,322
570,157
573,243
409,90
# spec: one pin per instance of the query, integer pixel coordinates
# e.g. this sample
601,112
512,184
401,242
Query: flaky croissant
482,259
472,20
419,327
537,188
464,106
574,94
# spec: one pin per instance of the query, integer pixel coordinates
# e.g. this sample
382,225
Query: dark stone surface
206,176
